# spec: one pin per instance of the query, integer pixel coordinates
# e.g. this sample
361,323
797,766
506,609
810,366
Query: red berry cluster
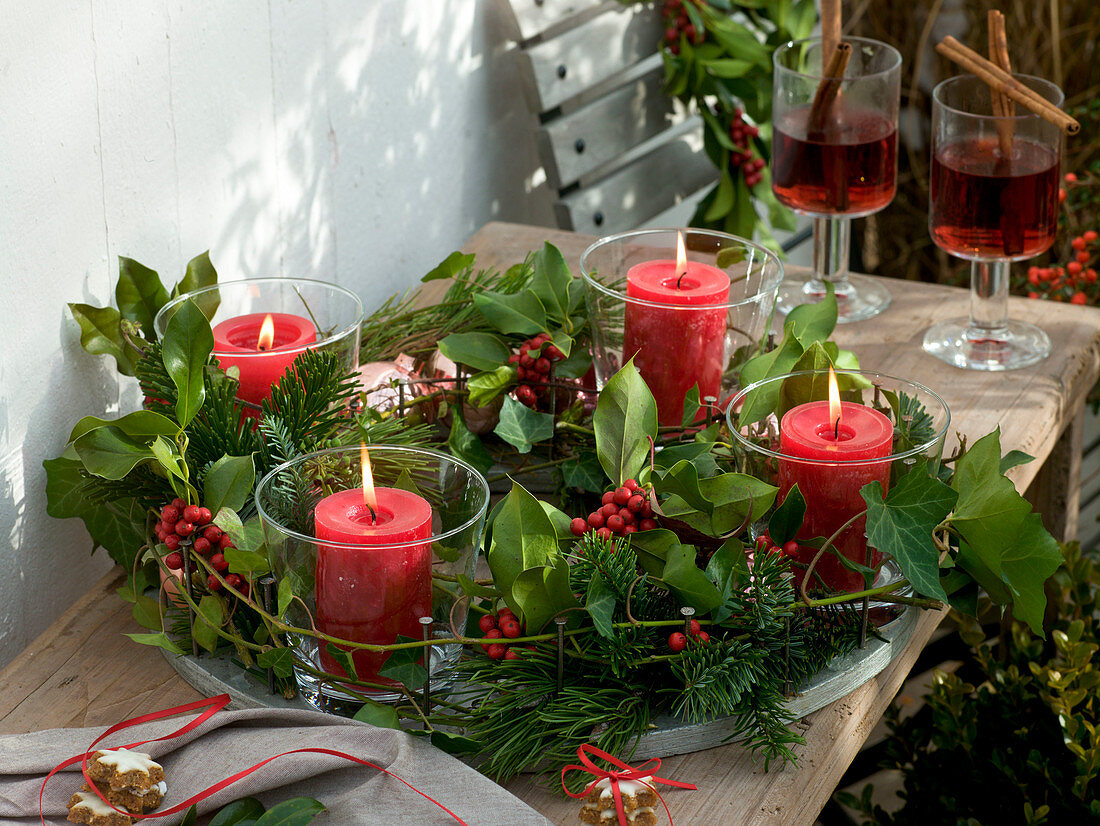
533,364
624,511
765,545
679,24
1073,282
181,524
742,135
678,640
502,626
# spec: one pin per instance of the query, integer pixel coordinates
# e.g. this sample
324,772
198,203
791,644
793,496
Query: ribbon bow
636,774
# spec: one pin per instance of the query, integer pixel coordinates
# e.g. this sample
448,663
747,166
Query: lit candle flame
267,334
369,497
681,259
834,402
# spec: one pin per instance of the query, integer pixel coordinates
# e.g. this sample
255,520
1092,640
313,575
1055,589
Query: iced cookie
638,804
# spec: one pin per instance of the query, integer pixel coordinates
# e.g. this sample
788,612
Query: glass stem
831,239
988,297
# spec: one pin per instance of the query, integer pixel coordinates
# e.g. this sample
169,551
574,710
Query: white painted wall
353,140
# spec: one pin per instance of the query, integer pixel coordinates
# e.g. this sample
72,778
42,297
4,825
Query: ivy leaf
110,453
467,446
139,294
187,344
486,386
343,657
279,660
285,595
729,67
210,617
1014,458
550,283
690,584
473,589
691,406
583,472
522,427
625,421
1027,565
239,811
159,639
813,322
297,811
228,482
787,518
520,312
729,496
902,525
481,351
378,715
404,665
101,335
990,511
600,604
450,266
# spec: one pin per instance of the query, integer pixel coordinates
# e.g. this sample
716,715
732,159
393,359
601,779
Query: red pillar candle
380,588
811,431
261,361
676,347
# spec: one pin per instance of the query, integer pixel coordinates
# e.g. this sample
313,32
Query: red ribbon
211,706
635,774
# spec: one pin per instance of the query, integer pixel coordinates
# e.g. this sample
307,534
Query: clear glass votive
306,315
425,531
683,329
888,427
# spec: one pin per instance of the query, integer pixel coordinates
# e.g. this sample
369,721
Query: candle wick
836,430
680,277
373,515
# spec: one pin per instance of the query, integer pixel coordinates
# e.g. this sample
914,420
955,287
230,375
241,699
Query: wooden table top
82,671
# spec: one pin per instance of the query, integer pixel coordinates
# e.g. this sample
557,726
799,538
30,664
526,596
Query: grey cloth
234,740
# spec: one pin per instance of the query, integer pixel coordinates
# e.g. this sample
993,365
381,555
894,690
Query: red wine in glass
847,168
986,206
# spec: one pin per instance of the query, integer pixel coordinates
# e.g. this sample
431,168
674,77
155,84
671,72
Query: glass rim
413,543
337,335
820,74
917,450
755,298
1022,112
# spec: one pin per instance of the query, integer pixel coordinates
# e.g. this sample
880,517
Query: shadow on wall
397,134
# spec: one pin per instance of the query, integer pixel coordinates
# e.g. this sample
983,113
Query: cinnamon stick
1001,81
829,88
830,28
1003,107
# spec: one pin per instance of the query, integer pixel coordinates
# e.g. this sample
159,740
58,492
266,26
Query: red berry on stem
694,627
491,634
219,563
596,519
702,636
604,533
630,529
636,503
213,583
790,548
510,628
202,545
205,516
511,654
615,523
213,533
677,642
609,510
178,504
497,651
607,498
647,524
487,623
621,496
626,516
225,542
174,561
184,528
172,541
578,527
234,581
169,514
192,513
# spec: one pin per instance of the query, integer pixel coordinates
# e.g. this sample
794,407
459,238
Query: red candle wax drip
237,344
676,346
381,588
831,490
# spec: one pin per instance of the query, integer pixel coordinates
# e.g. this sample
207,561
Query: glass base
857,297
331,698
1018,344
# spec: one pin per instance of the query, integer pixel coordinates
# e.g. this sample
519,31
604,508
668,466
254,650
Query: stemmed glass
992,204
836,167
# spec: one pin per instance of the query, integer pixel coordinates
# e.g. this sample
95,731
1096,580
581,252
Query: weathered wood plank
528,19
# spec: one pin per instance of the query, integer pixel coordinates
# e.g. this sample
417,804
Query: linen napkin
231,741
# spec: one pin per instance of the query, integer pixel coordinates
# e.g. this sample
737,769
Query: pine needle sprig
294,494
915,425
217,429
312,400
715,679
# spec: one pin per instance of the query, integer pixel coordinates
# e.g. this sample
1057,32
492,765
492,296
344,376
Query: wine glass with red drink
993,200
834,157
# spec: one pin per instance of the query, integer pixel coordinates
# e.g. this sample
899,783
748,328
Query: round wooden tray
219,674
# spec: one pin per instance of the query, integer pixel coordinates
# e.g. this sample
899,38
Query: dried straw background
1055,39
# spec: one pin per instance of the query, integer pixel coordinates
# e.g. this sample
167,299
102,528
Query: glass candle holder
887,427
306,315
684,329
371,584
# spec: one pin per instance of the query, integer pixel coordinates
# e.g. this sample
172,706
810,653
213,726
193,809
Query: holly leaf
989,512
522,427
543,592
902,524
787,518
485,386
298,811
101,335
243,811
450,266
728,569
690,584
625,422
185,351
550,283
762,401
813,322
520,312
812,387
111,453
652,548
454,743
481,351
378,715
158,639
228,482
522,537
600,604
1026,565
139,294
209,618
467,446
404,665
